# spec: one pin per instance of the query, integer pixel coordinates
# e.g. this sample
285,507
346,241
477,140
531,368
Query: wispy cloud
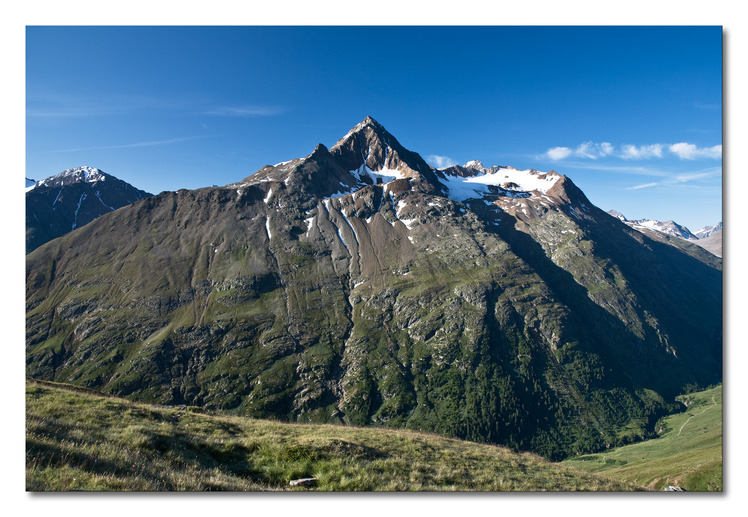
622,169
440,161
707,106
244,111
644,185
594,151
642,152
590,150
72,106
680,179
148,143
42,105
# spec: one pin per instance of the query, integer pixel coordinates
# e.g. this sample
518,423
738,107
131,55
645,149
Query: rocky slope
359,285
71,199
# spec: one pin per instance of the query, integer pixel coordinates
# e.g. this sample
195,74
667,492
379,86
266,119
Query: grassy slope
687,454
84,441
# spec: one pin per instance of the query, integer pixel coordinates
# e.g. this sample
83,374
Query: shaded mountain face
73,198
359,285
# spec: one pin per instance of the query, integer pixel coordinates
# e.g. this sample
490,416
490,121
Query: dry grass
82,441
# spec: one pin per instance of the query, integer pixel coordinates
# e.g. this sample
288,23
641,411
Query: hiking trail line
714,403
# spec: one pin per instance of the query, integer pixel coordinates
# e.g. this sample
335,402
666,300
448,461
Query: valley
358,285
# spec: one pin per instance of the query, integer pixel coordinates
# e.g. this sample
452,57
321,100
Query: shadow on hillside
642,363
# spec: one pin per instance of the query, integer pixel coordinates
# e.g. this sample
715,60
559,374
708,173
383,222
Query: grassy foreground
687,454
77,440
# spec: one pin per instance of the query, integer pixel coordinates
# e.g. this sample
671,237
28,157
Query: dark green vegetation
687,453
540,323
83,441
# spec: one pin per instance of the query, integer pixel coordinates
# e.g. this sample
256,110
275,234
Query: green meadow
688,452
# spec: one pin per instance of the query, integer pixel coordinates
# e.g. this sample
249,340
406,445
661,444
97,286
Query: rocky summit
70,199
359,285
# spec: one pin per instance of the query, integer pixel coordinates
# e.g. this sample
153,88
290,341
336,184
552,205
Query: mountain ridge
501,306
709,237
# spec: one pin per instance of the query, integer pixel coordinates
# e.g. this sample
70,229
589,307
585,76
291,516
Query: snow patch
309,222
56,198
75,219
384,175
513,182
350,226
409,222
98,195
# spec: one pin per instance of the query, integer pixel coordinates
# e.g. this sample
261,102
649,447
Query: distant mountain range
71,199
359,285
709,237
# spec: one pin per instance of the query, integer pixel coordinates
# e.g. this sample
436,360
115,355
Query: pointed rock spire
368,145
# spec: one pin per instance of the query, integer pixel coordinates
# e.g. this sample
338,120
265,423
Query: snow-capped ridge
369,155
709,230
667,227
506,180
83,174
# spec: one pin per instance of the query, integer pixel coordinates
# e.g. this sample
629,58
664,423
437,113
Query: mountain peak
71,199
83,174
368,149
319,148
369,121
474,164
709,230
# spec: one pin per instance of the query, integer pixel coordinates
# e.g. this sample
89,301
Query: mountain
707,231
668,227
359,285
709,237
70,199
712,242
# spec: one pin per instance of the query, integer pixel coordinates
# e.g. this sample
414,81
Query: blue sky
632,114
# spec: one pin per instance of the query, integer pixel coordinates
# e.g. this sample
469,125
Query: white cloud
440,161
642,152
607,148
559,153
590,150
593,151
686,151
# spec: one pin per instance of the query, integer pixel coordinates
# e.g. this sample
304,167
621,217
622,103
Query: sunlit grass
687,454
83,441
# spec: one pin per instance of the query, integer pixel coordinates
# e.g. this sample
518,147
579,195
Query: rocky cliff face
359,285
73,198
